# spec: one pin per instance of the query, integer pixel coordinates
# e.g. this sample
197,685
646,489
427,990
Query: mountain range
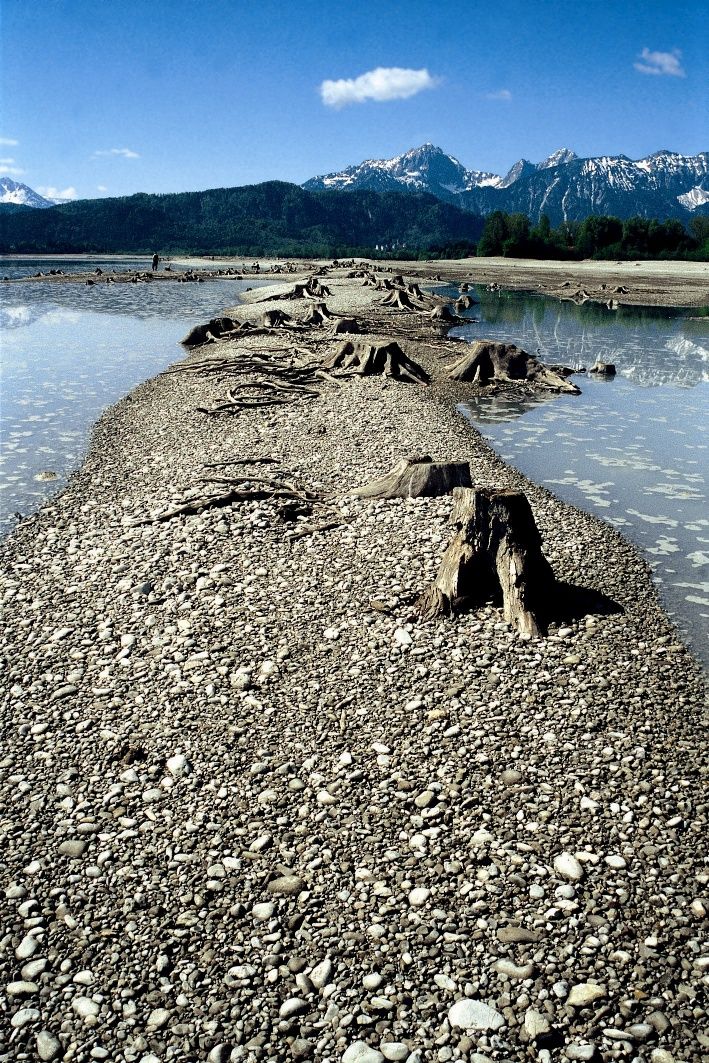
563,186
14,192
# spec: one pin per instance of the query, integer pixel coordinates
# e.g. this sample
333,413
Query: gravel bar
253,810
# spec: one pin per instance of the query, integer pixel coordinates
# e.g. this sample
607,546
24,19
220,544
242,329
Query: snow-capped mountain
22,195
424,169
562,186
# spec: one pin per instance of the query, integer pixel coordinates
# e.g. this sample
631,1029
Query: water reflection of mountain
648,345
21,306
20,316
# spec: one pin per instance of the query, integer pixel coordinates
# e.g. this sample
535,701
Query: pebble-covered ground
249,815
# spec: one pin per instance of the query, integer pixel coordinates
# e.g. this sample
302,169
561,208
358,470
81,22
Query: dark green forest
599,236
274,218
277,218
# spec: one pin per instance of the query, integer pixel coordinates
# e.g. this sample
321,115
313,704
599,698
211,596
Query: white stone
402,637
394,1050
419,896
585,993
48,1046
372,981
361,1052
474,1015
177,765
444,981
23,1017
511,970
85,1007
263,911
27,947
616,862
158,1017
567,866
322,974
535,1023
292,1006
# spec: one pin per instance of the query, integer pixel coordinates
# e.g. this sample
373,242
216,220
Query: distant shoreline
648,283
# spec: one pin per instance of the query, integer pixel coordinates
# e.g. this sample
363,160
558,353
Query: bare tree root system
418,477
376,359
487,360
496,550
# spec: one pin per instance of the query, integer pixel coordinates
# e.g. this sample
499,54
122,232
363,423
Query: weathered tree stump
343,326
316,315
487,360
465,302
275,319
603,369
377,359
418,477
443,313
399,300
496,550
217,328
315,287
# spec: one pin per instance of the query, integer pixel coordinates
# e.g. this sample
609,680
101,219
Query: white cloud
384,83
501,94
50,192
125,153
8,168
662,63
8,142
101,188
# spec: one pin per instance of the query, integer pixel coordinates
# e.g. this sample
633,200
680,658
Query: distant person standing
155,262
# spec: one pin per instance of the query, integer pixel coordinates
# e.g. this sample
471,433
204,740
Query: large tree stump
316,315
496,550
488,360
399,300
377,359
275,318
418,477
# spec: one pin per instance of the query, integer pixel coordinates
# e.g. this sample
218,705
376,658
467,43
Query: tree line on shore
598,236
281,219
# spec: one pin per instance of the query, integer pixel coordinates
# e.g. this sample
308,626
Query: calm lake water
69,351
633,449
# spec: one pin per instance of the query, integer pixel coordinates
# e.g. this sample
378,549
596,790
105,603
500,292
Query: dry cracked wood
496,550
418,477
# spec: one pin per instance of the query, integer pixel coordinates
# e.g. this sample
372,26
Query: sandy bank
250,816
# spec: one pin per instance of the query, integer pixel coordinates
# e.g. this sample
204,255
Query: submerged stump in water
418,477
488,360
496,549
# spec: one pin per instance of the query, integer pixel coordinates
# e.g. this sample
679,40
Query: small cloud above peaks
8,142
101,188
125,153
501,94
384,83
8,168
664,64
50,192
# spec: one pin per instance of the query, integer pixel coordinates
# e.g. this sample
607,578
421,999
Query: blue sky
111,97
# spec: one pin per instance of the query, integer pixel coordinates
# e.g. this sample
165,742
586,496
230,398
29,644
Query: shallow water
68,352
633,449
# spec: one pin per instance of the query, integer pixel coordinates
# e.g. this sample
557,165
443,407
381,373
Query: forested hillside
271,218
